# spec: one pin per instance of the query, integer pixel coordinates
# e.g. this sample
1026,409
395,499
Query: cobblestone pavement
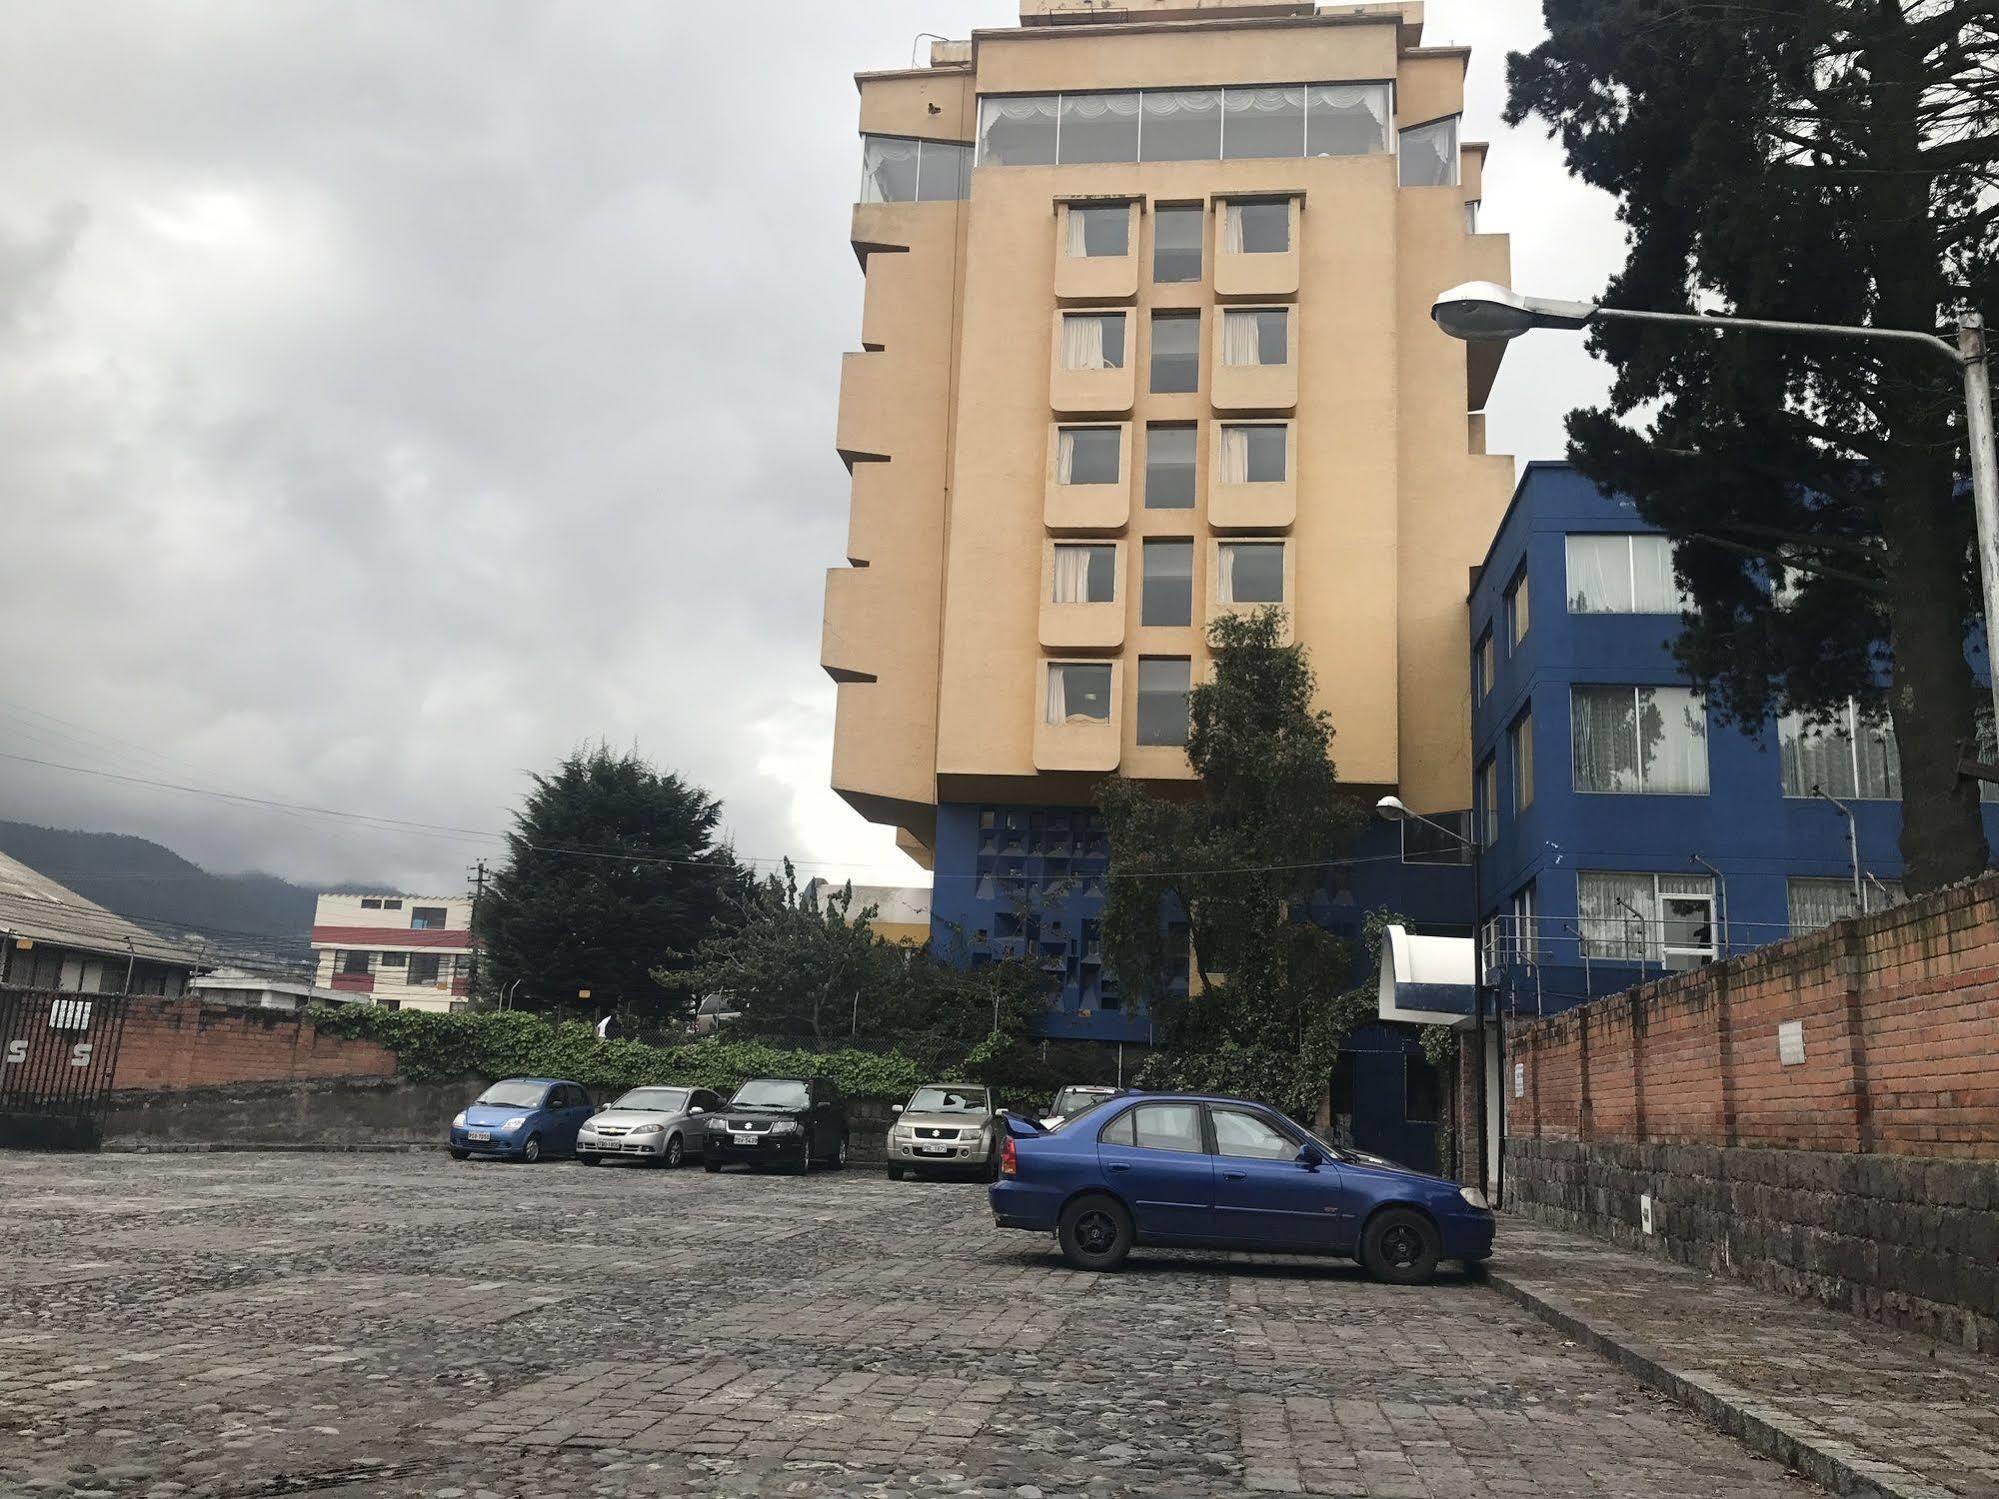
1904,1412
250,1325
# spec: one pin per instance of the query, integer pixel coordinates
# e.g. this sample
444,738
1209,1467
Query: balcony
846,626
1082,626
1253,484
1090,369
1257,258
1096,505
1096,251
1243,384
1221,599
868,408
1076,741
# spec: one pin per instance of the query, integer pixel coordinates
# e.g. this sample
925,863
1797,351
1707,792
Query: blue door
1154,1157
1264,1196
572,1107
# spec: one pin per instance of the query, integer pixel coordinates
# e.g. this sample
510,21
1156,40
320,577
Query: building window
371,903
1079,692
1088,455
1488,804
1639,739
1516,608
1093,341
394,959
1482,661
1520,740
1099,230
427,919
1622,575
1169,468
424,967
1164,683
1647,918
1254,453
898,170
1176,242
1257,228
1251,572
391,905
1471,215
1167,596
1085,574
1190,124
1815,904
1853,758
1176,352
1430,154
1256,335
1523,941
354,962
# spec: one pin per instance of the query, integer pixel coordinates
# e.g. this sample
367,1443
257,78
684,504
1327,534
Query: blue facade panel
1755,838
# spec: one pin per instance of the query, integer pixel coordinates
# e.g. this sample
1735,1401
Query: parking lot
275,1324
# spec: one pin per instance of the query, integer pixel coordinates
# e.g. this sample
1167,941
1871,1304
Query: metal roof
34,906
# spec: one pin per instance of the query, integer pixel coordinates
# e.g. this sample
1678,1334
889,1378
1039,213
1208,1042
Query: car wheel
1400,1246
709,1164
991,1171
675,1153
531,1152
839,1161
895,1173
1095,1233
460,1155
585,1158
804,1167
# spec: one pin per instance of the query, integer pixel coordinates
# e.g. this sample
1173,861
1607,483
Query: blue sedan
1225,1173
522,1119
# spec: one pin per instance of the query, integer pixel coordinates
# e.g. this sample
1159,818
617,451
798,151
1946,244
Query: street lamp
1391,809
1486,312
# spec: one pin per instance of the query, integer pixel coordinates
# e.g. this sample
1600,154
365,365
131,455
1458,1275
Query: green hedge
512,1043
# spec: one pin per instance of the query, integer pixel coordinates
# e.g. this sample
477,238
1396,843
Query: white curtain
1065,457
1235,455
888,170
1672,741
1346,119
1225,575
1430,154
1181,125
1819,903
1618,915
1263,122
1603,738
1083,342
1058,696
1654,589
1877,759
1025,124
1072,575
1599,575
1079,243
1240,341
1232,228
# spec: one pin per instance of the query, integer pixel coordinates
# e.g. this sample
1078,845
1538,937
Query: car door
825,1132
1155,1157
1264,1196
575,1109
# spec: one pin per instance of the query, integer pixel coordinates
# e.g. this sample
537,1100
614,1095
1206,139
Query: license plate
933,1150
478,1134
744,1139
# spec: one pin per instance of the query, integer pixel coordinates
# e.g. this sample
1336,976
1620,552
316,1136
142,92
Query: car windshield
948,1101
1073,1100
654,1100
769,1093
514,1095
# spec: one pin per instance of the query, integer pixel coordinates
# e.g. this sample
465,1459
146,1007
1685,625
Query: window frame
1189,317
1519,609
1067,435
1231,314
1101,314
1094,212
1520,748
1487,796
1094,548
1198,213
1186,700
1082,720
1227,545
1484,666
1637,758
1388,136
1284,446
1149,547
1193,467
1849,730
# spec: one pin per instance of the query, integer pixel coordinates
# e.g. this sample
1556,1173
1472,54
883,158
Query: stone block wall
1821,1116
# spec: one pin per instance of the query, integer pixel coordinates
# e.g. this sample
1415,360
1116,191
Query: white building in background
264,991
400,951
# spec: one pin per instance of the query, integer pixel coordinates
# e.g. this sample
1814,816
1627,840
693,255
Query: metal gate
58,1053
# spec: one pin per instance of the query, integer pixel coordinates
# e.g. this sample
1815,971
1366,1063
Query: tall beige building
1146,338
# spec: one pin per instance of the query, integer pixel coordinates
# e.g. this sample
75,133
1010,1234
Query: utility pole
472,959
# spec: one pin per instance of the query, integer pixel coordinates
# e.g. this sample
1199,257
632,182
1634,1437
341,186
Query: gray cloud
392,398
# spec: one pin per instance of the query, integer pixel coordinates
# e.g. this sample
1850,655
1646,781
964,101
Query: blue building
1625,831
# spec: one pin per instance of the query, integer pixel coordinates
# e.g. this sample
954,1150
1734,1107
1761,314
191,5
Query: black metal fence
58,1054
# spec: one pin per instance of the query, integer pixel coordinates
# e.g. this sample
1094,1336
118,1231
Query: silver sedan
659,1125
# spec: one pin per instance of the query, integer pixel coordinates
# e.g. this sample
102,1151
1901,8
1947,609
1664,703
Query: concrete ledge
1834,1464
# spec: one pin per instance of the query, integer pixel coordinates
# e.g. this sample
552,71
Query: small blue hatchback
521,1118
1226,1173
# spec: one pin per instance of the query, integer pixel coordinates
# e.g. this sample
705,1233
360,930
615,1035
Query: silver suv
945,1127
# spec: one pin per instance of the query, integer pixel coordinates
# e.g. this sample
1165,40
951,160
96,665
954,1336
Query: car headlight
516,1122
716,1126
1476,1198
647,1129
786,1127
459,1121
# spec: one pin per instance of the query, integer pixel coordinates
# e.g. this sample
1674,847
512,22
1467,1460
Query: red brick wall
1900,1017
183,1043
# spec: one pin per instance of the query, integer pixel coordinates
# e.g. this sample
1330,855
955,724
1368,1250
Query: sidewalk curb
215,1147
1835,1465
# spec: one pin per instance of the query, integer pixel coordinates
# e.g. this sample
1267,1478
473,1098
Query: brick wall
1821,1116
184,1043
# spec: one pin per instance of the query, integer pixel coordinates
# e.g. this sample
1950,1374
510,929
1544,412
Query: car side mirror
1310,1156
895,1108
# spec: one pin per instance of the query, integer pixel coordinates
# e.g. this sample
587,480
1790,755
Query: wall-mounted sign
1519,1078
1790,1043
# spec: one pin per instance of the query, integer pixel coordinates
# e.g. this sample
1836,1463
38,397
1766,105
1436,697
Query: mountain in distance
147,883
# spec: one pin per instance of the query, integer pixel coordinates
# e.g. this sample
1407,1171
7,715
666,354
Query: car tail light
1009,1158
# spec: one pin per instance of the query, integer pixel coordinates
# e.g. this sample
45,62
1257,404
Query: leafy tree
611,866
1827,161
1229,875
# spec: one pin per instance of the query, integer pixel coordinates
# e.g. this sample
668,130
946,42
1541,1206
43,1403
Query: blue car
522,1119
1226,1173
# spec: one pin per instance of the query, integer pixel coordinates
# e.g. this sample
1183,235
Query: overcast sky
394,396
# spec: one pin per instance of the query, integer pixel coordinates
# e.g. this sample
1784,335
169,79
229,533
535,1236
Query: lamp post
1391,809
1486,312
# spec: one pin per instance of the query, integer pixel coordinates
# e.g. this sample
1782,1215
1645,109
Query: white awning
1426,980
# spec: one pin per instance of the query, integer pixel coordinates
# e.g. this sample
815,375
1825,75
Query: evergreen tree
1829,161
612,867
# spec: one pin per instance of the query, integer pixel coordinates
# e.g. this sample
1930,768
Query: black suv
779,1121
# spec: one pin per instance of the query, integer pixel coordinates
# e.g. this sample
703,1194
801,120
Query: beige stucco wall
938,642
